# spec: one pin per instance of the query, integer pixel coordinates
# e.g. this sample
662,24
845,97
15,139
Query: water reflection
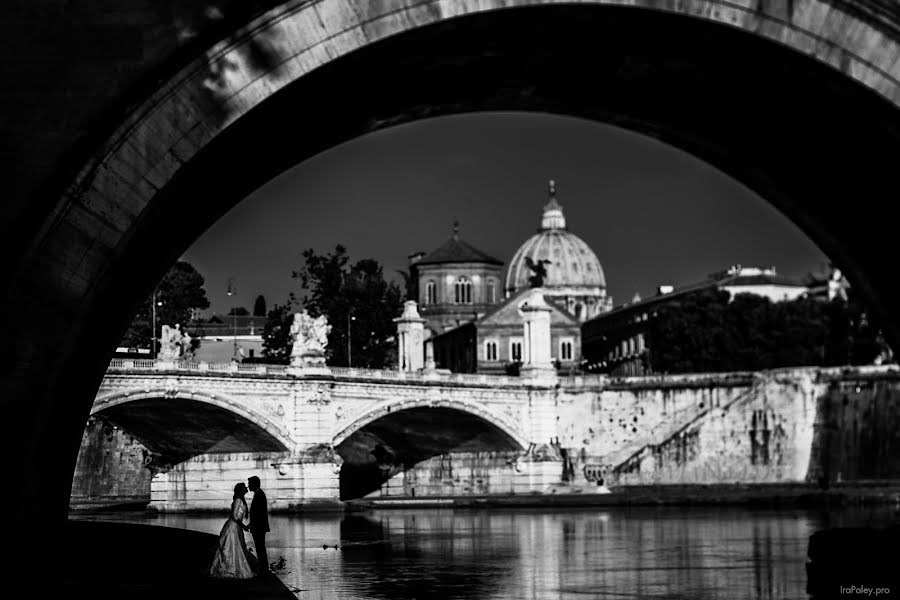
665,553
410,556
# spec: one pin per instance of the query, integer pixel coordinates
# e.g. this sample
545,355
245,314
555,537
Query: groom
259,524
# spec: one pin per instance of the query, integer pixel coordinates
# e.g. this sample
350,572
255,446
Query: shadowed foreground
118,560
853,561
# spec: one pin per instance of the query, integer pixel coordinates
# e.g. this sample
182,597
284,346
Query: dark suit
259,526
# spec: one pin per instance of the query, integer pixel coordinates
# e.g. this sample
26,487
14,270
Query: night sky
653,214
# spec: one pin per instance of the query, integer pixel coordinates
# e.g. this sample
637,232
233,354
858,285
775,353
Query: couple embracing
232,559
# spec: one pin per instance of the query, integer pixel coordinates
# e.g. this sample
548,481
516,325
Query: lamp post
232,290
153,304
350,318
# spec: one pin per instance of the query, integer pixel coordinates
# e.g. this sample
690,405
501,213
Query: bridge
341,433
310,427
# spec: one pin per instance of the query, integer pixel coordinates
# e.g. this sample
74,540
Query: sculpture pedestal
311,362
539,470
539,375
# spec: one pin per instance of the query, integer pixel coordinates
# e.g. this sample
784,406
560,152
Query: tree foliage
239,311
708,331
178,293
259,306
356,298
277,334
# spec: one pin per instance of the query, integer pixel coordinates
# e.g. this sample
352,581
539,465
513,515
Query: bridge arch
185,429
384,409
395,435
796,100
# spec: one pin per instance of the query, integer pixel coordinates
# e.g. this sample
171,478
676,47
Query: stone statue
165,343
310,337
186,344
836,287
173,343
539,269
176,339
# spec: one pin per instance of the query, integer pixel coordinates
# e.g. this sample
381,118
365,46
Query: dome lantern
553,214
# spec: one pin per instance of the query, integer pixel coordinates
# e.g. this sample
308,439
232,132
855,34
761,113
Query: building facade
224,338
456,284
495,343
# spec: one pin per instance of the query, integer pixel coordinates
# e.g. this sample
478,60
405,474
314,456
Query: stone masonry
576,434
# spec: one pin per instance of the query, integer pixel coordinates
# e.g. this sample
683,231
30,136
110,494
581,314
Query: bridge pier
292,481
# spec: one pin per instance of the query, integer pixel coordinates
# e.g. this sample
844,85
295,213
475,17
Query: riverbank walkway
106,561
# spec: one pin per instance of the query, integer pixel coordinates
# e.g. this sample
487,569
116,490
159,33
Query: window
566,349
491,292
490,350
430,293
515,349
462,291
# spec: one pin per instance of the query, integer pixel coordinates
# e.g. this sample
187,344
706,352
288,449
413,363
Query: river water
611,553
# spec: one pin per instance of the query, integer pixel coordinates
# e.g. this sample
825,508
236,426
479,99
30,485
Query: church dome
570,262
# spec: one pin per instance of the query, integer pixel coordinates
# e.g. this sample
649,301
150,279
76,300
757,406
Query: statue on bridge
310,339
174,343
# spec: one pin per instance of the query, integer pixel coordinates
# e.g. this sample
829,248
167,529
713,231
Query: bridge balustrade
120,364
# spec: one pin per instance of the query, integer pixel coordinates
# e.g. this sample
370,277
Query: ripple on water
662,553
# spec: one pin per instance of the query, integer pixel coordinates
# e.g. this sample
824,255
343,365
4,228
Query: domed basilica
474,327
574,276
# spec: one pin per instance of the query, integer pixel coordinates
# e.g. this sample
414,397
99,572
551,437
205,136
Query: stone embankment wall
206,483
856,435
110,468
798,425
456,474
795,425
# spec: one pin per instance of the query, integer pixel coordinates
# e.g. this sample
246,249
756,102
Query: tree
179,293
277,334
259,307
689,333
710,331
359,303
239,311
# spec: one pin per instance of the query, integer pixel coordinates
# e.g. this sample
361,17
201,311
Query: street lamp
350,318
153,304
232,290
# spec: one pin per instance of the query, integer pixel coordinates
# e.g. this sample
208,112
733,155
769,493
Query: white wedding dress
232,560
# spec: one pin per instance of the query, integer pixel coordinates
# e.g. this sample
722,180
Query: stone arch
387,407
80,260
119,398
192,110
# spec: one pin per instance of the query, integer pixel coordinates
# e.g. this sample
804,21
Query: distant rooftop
228,325
455,250
735,276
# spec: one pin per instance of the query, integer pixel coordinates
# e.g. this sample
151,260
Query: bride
232,560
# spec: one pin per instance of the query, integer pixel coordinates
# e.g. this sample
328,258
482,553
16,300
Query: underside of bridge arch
808,138
175,431
397,442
